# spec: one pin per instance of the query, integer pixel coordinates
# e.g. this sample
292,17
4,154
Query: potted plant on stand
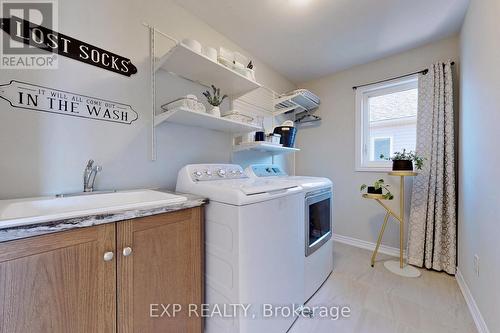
378,187
215,100
403,161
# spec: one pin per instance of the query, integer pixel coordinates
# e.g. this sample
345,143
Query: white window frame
362,159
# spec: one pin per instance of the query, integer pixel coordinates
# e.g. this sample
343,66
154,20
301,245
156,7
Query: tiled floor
383,302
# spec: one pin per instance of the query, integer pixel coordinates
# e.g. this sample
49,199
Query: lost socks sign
38,98
51,41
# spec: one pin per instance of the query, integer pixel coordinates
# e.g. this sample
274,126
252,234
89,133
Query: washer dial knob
221,173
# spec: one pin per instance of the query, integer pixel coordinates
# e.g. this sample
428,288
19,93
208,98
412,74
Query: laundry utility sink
43,209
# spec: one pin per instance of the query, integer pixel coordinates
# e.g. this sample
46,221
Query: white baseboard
389,250
471,303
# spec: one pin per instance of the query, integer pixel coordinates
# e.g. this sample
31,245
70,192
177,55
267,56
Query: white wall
479,157
328,150
44,153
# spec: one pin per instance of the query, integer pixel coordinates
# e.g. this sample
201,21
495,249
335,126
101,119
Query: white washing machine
318,212
253,237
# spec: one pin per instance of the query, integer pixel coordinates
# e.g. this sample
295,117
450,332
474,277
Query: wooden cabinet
59,283
68,281
165,267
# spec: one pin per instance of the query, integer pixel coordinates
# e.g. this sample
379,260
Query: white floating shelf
194,66
204,120
264,147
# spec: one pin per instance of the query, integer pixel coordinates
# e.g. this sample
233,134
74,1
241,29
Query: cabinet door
164,267
59,283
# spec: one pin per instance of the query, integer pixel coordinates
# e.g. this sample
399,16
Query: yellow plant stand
400,267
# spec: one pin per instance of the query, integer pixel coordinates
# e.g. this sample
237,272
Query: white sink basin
36,210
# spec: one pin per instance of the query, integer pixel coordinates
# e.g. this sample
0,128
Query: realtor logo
16,51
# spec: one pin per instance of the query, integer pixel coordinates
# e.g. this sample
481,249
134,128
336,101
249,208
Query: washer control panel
265,170
205,172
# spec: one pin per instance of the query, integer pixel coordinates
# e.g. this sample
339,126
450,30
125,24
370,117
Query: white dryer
253,243
317,200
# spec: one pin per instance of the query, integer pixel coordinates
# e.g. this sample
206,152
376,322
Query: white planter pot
214,111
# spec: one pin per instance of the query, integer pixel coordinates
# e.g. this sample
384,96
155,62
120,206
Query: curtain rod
423,71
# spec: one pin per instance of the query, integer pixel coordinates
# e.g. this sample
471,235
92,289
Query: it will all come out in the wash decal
38,98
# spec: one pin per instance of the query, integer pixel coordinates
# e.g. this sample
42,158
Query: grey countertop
25,231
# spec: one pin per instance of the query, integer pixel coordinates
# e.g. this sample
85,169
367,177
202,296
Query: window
386,122
380,147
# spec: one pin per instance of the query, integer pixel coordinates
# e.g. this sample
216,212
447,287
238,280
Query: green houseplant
215,99
378,187
403,161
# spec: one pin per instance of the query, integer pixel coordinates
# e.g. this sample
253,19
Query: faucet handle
90,163
92,175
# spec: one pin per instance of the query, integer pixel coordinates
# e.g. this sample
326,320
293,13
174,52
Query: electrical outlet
475,264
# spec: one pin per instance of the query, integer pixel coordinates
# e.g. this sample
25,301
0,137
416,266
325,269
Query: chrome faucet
89,175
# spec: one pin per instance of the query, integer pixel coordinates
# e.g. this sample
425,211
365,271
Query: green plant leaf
388,196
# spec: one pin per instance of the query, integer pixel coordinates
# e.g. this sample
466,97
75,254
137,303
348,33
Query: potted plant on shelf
403,161
215,100
378,187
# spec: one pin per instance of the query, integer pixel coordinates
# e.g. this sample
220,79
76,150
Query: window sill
373,169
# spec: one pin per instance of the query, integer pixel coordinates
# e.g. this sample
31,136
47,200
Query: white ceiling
306,39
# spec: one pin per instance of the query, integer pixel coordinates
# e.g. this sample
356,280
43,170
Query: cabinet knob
127,251
108,256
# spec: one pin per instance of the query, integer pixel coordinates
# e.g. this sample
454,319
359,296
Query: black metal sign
51,41
43,99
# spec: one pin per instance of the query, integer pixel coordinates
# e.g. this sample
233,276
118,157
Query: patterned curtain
433,220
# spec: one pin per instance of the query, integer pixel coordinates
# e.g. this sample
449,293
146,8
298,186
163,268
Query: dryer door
318,220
